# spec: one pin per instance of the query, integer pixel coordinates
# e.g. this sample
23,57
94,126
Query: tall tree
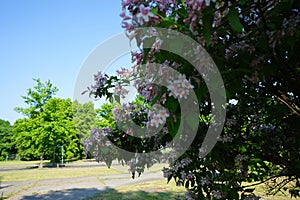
37,97
48,124
52,128
255,45
6,139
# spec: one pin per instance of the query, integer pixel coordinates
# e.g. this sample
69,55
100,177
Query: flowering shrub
254,45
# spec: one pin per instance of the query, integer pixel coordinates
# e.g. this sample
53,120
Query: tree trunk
53,162
41,160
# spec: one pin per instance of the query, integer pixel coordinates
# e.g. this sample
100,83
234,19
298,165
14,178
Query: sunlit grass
161,190
17,163
145,190
55,173
261,190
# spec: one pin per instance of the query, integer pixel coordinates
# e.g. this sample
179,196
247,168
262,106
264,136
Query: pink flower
144,14
127,26
126,3
124,16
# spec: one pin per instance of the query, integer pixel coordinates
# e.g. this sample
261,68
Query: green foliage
37,97
47,125
85,118
105,116
255,45
6,139
52,128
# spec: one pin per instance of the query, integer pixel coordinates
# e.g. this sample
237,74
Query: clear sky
49,39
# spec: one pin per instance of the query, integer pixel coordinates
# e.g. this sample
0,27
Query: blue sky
49,39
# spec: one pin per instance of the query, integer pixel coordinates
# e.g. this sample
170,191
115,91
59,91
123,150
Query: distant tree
43,134
105,116
6,140
37,97
85,118
48,123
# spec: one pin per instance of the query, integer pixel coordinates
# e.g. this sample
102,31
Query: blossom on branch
144,14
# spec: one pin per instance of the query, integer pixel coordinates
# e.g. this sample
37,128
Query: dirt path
70,188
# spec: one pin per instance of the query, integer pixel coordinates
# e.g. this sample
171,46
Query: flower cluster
120,91
138,13
178,165
189,195
180,87
158,116
225,138
205,181
167,172
99,146
100,80
217,194
240,158
194,7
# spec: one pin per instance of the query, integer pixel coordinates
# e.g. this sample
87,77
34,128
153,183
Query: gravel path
70,188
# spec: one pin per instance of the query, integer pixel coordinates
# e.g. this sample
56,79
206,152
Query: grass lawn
56,173
18,164
160,190
146,191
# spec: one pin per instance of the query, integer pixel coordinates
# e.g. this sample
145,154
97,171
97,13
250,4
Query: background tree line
48,123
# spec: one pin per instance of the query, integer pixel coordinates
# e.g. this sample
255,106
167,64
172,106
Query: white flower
173,88
205,181
163,114
181,92
181,78
120,91
117,113
225,138
217,194
156,120
183,175
179,87
240,158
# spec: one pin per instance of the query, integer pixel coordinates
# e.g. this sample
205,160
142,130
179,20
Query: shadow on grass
67,194
112,194
106,194
1,193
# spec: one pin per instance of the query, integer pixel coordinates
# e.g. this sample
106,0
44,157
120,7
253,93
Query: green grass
159,190
55,173
18,164
145,190
260,190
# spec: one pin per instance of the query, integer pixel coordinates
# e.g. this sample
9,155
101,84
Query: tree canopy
85,118
37,97
48,124
255,46
6,139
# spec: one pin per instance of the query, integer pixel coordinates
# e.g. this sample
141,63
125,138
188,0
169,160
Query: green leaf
234,20
117,98
208,18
